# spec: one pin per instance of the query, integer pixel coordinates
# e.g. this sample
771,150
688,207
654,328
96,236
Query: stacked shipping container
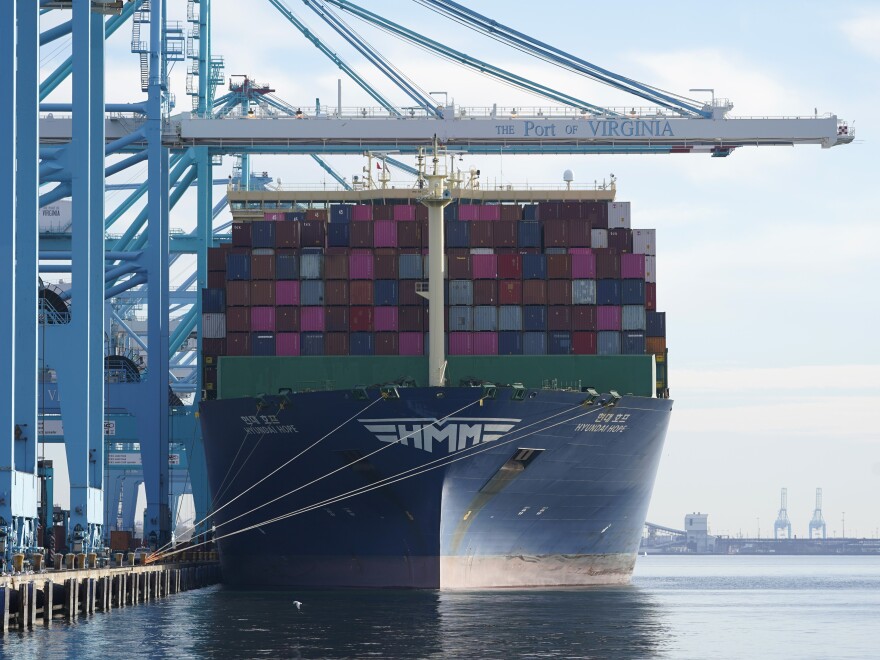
552,278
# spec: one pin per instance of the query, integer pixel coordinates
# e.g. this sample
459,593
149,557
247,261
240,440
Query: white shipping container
650,269
583,292
618,215
482,251
213,326
599,238
633,317
645,241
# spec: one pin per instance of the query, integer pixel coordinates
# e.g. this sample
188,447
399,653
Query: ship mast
437,198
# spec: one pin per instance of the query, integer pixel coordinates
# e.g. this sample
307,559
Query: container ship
442,387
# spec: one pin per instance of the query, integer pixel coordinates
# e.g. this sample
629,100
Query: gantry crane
782,524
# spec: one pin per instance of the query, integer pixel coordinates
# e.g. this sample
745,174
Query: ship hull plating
432,488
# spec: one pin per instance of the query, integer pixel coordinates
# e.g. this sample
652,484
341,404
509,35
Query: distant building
696,526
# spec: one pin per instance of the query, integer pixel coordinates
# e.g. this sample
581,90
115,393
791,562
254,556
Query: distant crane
782,521
818,522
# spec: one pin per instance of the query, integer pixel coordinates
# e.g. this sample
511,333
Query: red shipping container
383,212
361,292
579,234
596,213
580,250
263,319
510,292
485,343
361,266
238,343
558,292
583,343
385,263
216,259
559,317
607,264
421,213
559,266
504,234
468,212
263,293
620,240
336,266
312,233
387,343
262,266
404,212
651,296
511,212
411,343
458,267
238,293
287,319
481,234
312,319
336,292
287,292
510,266
571,211
336,343
385,233
336,319
214,346
484,266
412,318
316,215
583,266
632,266
360,319
287,234
287,343
485,292
362,212
385,319
406,293
490,212
409,234
549,210
555,233
238,319
241,235
534,292
217,279
583,317
608,317
461,343
361,234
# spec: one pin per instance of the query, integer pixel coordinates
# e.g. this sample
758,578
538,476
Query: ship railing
254,204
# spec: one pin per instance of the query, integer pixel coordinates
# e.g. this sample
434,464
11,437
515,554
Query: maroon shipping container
490,213
312,319
383,212
468,212
458,267
461,343
214,347
572,211
217,279
421,213
360,266
579,234
360,319
558,292
263,292
336,266
241,235
583,266
510,266
632,266
620,240
485,292
337,319
559,317
511,212
549,210
484,266
216,259
607,264
238,293
360,292
238,343
534,292
361,234
403,212
262,266
287,292
583,343
409,234
555,233
386,319
583,317
287,319
387,343
312,233
263,319
238,319
336,292
412,343
385,234
406,293
510,292
504,234
485,343
287,343
412,318
481,234
608,317
596,213
316,215
362,212
385,263
287,234
651,296
559,266
336,343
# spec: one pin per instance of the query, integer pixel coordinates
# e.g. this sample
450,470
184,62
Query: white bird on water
298,605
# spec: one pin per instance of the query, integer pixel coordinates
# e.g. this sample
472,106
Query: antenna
782,521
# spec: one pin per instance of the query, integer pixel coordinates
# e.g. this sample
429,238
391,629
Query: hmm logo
455,433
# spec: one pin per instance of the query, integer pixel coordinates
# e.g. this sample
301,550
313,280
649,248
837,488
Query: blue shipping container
633,317
385,292
608,342
583,292
213,301
298,216
559,343
238,267
450,213
485,318
534,343
461,319
632,292
338,235
262,343
510,317
510,343
286,267
340,213
311,343
361,343
528,234
655,324
262,234
461,292
530,212
410,267
534,317
311,293
458,234
632,343
311,266
608,292
534,267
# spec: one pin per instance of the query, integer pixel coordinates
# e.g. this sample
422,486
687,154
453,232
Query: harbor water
677,607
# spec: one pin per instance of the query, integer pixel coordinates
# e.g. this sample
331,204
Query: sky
766,259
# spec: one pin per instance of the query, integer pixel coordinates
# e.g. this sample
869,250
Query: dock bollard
18,562
92,560
80,561
118,558
37,562
59,561
132,559
70,561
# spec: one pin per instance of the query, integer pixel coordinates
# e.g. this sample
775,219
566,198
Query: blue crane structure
47,158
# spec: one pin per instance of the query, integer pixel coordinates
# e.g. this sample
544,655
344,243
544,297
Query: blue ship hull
431,487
